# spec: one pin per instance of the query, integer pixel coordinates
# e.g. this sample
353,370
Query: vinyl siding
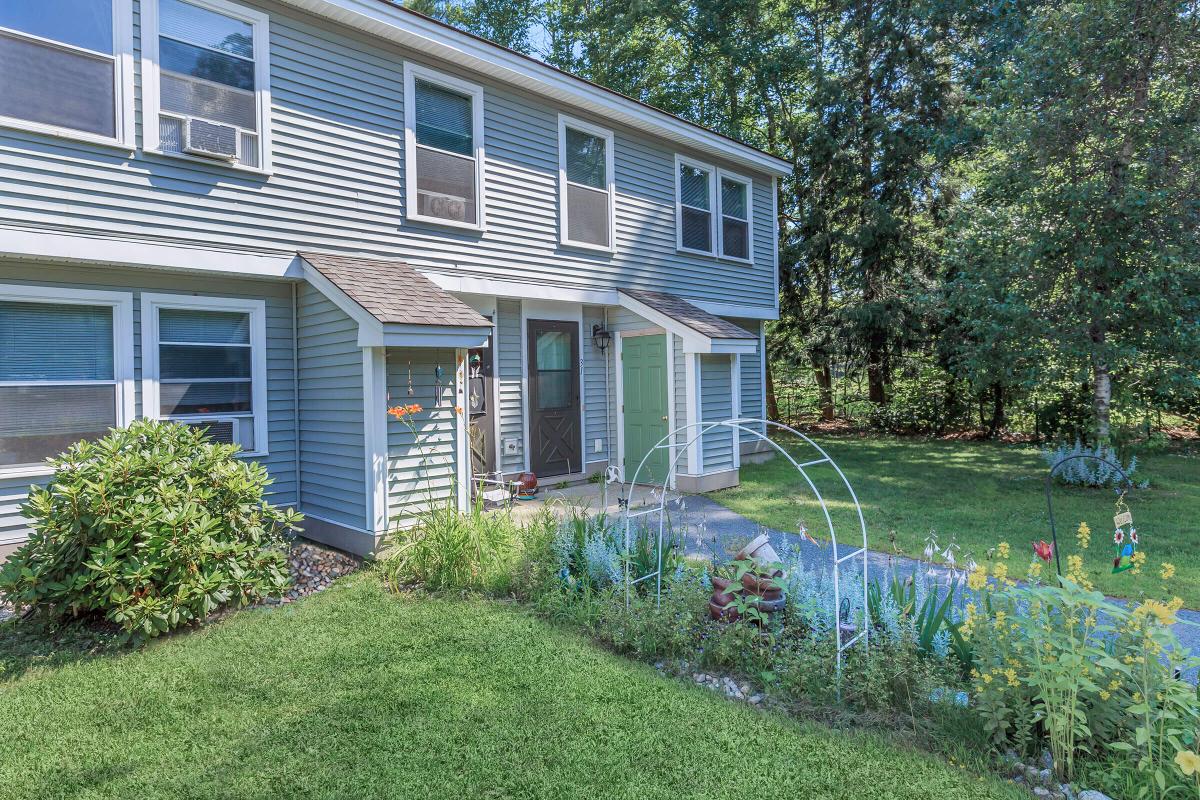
512,423
596,389
716,404
337,184
753,383
281,417
333,481
421,447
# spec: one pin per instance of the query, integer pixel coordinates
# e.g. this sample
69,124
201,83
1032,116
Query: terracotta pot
721,584
759,549
761,584
771,606
718,612
721,598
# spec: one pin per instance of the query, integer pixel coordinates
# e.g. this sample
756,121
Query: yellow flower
1167,571
1114,684
1000,617
1035,570
1138,559
987,677
977,579
1105,694
1000,570
1137,697
1003,549
1188,762
1163,612
1083,536
1011,674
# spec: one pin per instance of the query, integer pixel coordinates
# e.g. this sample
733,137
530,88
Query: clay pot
771,606
720,612
759,550
721,598
721,584
761,584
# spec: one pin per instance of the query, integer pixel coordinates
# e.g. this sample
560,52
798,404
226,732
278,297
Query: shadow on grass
32,644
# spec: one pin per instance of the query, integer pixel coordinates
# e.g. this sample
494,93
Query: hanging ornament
411,391
1125,542
438,372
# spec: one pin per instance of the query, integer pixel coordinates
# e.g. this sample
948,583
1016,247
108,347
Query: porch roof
393,303
701,331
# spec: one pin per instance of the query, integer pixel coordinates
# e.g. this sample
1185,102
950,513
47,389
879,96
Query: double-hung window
695,188
66,68
66,372
586,190
443,135
204,363
735,232
207,74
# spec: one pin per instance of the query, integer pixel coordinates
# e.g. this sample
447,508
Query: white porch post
691,381
462,454
375,437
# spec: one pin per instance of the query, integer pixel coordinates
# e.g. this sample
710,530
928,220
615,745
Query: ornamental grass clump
151,527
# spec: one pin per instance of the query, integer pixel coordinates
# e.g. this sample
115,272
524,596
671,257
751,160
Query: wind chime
1125,542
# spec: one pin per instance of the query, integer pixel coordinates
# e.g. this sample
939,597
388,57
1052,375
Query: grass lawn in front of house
977,494
355,693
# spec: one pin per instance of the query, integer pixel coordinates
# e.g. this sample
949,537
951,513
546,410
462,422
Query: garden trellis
657,514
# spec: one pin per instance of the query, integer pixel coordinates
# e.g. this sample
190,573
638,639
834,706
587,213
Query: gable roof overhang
393,304
700,331
403,26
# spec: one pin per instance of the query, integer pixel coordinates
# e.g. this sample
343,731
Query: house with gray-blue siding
279,219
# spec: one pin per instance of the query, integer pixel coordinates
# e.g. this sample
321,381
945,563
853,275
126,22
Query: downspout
296,383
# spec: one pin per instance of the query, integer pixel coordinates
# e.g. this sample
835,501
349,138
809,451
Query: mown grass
978,494
358,693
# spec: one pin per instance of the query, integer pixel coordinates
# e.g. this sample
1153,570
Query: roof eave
382,18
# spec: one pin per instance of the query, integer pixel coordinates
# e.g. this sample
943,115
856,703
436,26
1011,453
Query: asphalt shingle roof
685,313
395,293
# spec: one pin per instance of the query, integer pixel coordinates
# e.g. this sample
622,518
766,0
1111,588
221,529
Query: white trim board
391,22
375,437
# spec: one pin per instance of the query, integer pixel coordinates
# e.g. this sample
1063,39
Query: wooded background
993,220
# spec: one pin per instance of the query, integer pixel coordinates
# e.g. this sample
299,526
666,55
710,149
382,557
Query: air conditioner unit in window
442,206
203,138
221,431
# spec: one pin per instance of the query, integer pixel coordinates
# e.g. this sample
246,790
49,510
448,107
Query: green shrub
152,527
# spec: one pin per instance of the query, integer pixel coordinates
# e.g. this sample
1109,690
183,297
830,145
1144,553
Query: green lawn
982,493
356,693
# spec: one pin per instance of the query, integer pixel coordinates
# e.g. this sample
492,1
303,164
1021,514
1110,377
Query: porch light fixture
601,337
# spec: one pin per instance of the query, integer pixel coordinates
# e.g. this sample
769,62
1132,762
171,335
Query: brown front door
555,422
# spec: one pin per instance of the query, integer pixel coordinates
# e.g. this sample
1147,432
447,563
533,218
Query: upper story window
443,135
67,371
735,216
66,68
207,81
586,189
204,363
694,191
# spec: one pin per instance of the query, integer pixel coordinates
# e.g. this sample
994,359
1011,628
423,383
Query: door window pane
443,119
37,422
82,23
553,350
52,86
202,26
554,390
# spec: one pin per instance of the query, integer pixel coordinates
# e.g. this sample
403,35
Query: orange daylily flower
400,412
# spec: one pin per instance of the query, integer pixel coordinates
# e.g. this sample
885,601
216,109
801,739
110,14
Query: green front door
644,379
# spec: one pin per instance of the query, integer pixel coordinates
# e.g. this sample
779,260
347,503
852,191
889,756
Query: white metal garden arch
737,426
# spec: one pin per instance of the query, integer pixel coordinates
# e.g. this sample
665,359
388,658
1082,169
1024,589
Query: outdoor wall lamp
601,337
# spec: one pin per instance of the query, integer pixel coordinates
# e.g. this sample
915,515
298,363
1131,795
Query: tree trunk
1101,386
772,401
997,421
824,377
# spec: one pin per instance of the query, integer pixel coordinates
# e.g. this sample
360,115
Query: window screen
735,219
695,223
71,85
207,63
58,378
587,196
205,366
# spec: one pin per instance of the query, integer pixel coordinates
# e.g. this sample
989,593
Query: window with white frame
443,135
586,190
208,81
694,190
735,217
66,374
204,363
65,67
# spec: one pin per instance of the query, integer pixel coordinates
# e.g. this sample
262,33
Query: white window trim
123,377
714,205
257,309
565,122
262,82
475,92
123,89
726,175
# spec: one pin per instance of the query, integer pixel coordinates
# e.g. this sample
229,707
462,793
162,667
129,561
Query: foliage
906,608
447,549
483,697
1096,466
589,551
152,527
